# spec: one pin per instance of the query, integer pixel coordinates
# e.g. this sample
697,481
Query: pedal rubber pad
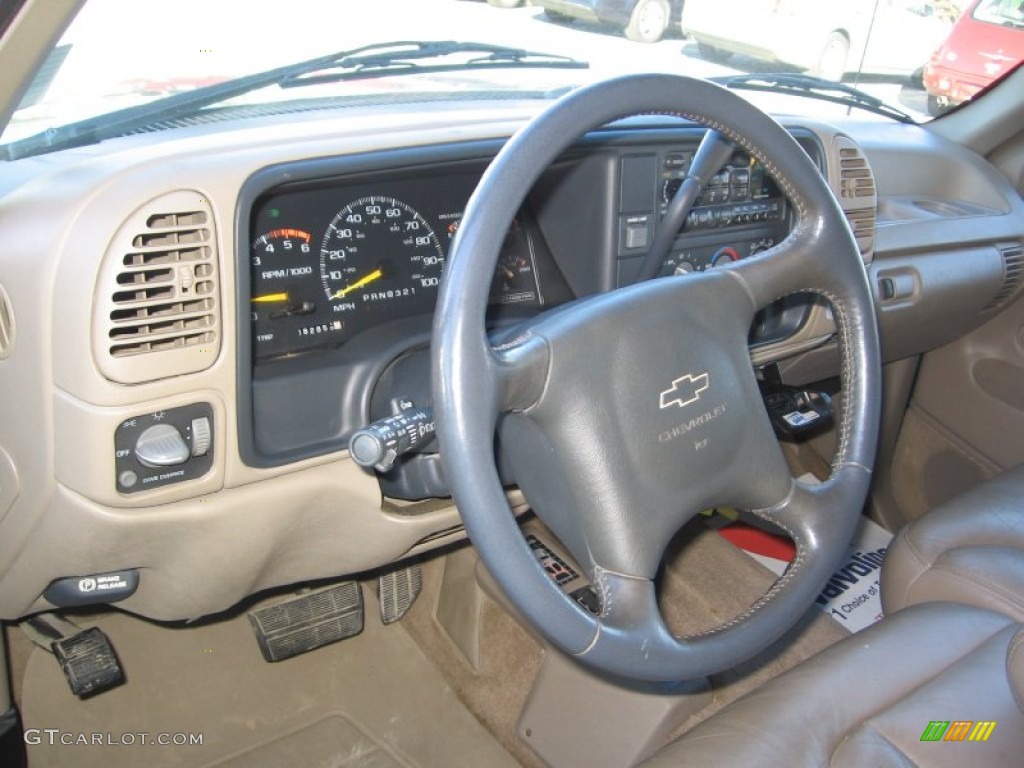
89,662
309,621
397,591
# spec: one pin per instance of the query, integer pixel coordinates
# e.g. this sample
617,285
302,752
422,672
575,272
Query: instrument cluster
329,261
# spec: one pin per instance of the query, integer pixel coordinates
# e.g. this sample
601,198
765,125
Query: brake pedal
397,591
308,621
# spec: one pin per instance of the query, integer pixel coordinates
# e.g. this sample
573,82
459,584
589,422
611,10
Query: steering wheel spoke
521,366
778,272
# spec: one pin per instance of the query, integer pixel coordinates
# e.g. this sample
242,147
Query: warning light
274,213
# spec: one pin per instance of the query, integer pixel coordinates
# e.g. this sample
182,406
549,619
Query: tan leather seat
970,550
869,699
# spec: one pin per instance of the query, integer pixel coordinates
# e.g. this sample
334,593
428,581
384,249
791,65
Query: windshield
1009,13
125,53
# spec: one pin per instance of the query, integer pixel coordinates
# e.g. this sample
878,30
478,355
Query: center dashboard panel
343,259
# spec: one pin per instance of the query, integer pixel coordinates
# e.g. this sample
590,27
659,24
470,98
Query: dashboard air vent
857,179
862,221
1013,274
158,303
855,184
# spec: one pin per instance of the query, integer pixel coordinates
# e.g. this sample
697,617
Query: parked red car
986,42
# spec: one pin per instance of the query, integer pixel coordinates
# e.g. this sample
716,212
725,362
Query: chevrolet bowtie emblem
684,390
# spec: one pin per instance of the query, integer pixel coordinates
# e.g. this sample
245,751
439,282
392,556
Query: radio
740,195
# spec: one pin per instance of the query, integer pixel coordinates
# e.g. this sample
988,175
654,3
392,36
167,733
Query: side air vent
858,194
857,179
1013,274
862,221
158,302
6,325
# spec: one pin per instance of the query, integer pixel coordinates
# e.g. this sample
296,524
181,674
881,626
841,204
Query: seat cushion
869,699
970,550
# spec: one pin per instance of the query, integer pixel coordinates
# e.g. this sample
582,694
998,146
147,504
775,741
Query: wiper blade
815,88
402,58
379,60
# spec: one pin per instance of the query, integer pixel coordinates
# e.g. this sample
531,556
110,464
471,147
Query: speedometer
379,255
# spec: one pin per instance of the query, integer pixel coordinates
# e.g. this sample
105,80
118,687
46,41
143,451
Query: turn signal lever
378,445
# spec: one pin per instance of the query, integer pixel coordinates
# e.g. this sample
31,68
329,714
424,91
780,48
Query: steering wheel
625,414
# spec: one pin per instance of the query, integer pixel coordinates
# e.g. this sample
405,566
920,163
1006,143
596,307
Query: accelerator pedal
397,591
308,621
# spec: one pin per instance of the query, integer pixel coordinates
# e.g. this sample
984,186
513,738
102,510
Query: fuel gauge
515,280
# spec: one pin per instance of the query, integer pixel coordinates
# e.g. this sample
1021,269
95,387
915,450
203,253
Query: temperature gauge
515,278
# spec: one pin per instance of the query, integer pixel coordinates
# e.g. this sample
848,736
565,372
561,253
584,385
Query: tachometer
284,301
380,255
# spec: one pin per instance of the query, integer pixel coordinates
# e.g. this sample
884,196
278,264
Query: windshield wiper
402,58
379,60
796,84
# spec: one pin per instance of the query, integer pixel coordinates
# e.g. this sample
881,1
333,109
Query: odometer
380,256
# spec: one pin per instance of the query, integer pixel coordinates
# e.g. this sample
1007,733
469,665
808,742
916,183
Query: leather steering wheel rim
626,413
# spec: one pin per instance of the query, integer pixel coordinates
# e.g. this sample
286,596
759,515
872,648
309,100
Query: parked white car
888,36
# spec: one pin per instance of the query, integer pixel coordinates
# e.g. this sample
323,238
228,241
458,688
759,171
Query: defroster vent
158,304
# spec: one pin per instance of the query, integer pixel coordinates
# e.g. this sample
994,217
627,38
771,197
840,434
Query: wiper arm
379,60
815,88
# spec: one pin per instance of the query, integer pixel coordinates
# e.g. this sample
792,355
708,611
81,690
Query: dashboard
203,317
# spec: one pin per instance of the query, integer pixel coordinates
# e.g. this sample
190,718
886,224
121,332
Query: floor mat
373,700
334,742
